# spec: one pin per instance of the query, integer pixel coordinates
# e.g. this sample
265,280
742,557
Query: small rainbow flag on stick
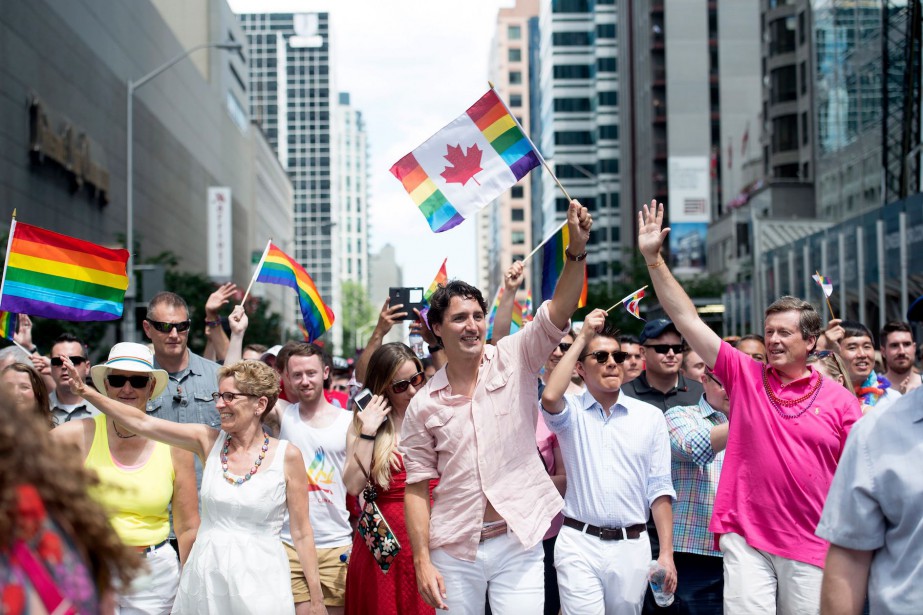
52,275
631,303
553,259
441,278
516,321
467,164
8,324
826,285
277,267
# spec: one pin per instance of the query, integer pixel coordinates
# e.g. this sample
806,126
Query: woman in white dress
238,564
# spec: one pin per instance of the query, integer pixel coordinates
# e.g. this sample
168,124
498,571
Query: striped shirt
616,465
696,468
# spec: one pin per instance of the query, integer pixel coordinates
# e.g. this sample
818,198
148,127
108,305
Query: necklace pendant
816,410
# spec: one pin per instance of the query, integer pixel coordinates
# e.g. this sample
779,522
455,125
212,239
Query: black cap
656,328
915,312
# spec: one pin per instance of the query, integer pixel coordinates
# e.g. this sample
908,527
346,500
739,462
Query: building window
606,65
514,55
518,214
609,131
788,171
516,192
571,39
784,84
609,165
804,128
515,77
782,36
572,104
570,6
517,238
605,30
514,33
573,137
572,71
801,28
515,100
785,135
608,99
803,69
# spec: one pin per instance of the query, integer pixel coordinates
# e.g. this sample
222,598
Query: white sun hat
129,357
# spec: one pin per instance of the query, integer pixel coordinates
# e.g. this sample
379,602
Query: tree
357,312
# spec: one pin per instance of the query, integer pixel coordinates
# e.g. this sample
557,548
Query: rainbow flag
277,267
9,322
631,303
825,283
56,276
517,318
527,307
441,278
467,164
553,260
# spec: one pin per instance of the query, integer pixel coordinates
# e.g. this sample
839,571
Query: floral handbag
373,528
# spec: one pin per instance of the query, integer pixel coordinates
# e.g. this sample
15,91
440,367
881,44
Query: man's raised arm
670,293
570,284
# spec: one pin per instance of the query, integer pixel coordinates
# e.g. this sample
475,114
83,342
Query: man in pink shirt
473,427
788,426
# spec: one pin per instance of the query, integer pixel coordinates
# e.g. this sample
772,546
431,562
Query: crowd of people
551,471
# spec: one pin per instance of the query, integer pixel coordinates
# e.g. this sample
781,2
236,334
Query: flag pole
544,241
829,307
256,273
6,258
627,298
534,149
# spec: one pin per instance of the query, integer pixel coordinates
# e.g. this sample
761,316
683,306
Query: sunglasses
229,397
665,348
822,354
136,382
59,362
166,327
602,356
711,377
401,385
564,346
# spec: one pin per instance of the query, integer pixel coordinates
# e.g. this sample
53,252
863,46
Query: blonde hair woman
394,375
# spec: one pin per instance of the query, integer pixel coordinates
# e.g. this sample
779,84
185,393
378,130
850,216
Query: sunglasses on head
137,382
166,327
401,385
665,348
58,361
602,356
564,346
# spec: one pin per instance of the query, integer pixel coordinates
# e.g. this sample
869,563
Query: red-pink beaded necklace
777,402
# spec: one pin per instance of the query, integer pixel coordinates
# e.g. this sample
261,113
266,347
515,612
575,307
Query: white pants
758,582
514,578
601,576
153,592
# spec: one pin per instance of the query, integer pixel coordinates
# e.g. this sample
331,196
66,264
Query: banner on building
220,252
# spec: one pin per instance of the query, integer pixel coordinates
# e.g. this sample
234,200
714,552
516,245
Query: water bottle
416,344
656,576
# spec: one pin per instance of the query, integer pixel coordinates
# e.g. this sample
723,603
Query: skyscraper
352,191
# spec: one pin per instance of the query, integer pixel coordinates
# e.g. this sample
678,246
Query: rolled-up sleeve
690,439
418,447
660,481
561,421
537,341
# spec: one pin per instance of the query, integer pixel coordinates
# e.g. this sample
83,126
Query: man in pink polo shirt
788,426
473,427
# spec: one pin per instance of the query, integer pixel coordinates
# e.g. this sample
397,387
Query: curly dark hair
28,457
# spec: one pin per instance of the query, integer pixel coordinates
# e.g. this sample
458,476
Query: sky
410,67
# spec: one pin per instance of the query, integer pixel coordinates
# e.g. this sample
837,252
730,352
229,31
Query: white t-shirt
324,452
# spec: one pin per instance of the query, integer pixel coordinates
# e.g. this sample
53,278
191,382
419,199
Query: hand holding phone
362,399
409,297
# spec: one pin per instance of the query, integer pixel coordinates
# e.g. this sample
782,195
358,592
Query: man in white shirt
318,429
616,451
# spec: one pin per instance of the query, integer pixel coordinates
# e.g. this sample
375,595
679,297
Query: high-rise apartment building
579,86
351,218
505,228
292,96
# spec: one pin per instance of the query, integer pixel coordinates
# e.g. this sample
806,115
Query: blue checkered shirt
696,468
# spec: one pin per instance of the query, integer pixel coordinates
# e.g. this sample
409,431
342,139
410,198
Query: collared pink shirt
483,448
777,470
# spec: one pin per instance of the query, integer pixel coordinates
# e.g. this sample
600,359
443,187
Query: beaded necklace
240,480
777,402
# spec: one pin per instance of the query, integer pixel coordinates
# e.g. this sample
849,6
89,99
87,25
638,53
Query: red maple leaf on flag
464,165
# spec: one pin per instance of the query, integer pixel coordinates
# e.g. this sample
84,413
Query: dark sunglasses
711,377
136,382
166,327
602,356
229,397
564,346
822,354
401,385
59,362
665,348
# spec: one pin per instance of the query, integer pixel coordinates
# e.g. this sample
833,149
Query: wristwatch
574,257
435,348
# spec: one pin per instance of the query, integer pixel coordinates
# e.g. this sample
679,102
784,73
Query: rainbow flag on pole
553,259
441,278
517,317
277,267
825,283
56,276
9,322
467,164
631,302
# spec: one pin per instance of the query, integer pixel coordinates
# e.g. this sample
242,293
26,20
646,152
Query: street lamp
128,317
592,176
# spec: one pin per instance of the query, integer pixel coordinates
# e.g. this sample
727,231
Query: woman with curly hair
238,563
27,390
394,375
56,545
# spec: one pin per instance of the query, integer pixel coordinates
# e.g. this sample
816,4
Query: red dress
368,589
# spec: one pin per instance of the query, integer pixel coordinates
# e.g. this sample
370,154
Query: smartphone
409,297
362,399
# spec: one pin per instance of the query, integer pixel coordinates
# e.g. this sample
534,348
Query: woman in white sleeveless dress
237,564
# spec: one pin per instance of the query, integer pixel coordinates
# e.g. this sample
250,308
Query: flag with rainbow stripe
56,276
277,267
441,278
467,164
825,283
517,318
553,259
8,324
631,302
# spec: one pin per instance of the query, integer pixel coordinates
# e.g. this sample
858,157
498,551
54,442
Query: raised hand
593,324
23,335
650,234
78,386
419,327
238,321
374,414
219,299
390,315
579,223
513,277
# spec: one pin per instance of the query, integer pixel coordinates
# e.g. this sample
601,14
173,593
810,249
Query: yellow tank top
136,498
